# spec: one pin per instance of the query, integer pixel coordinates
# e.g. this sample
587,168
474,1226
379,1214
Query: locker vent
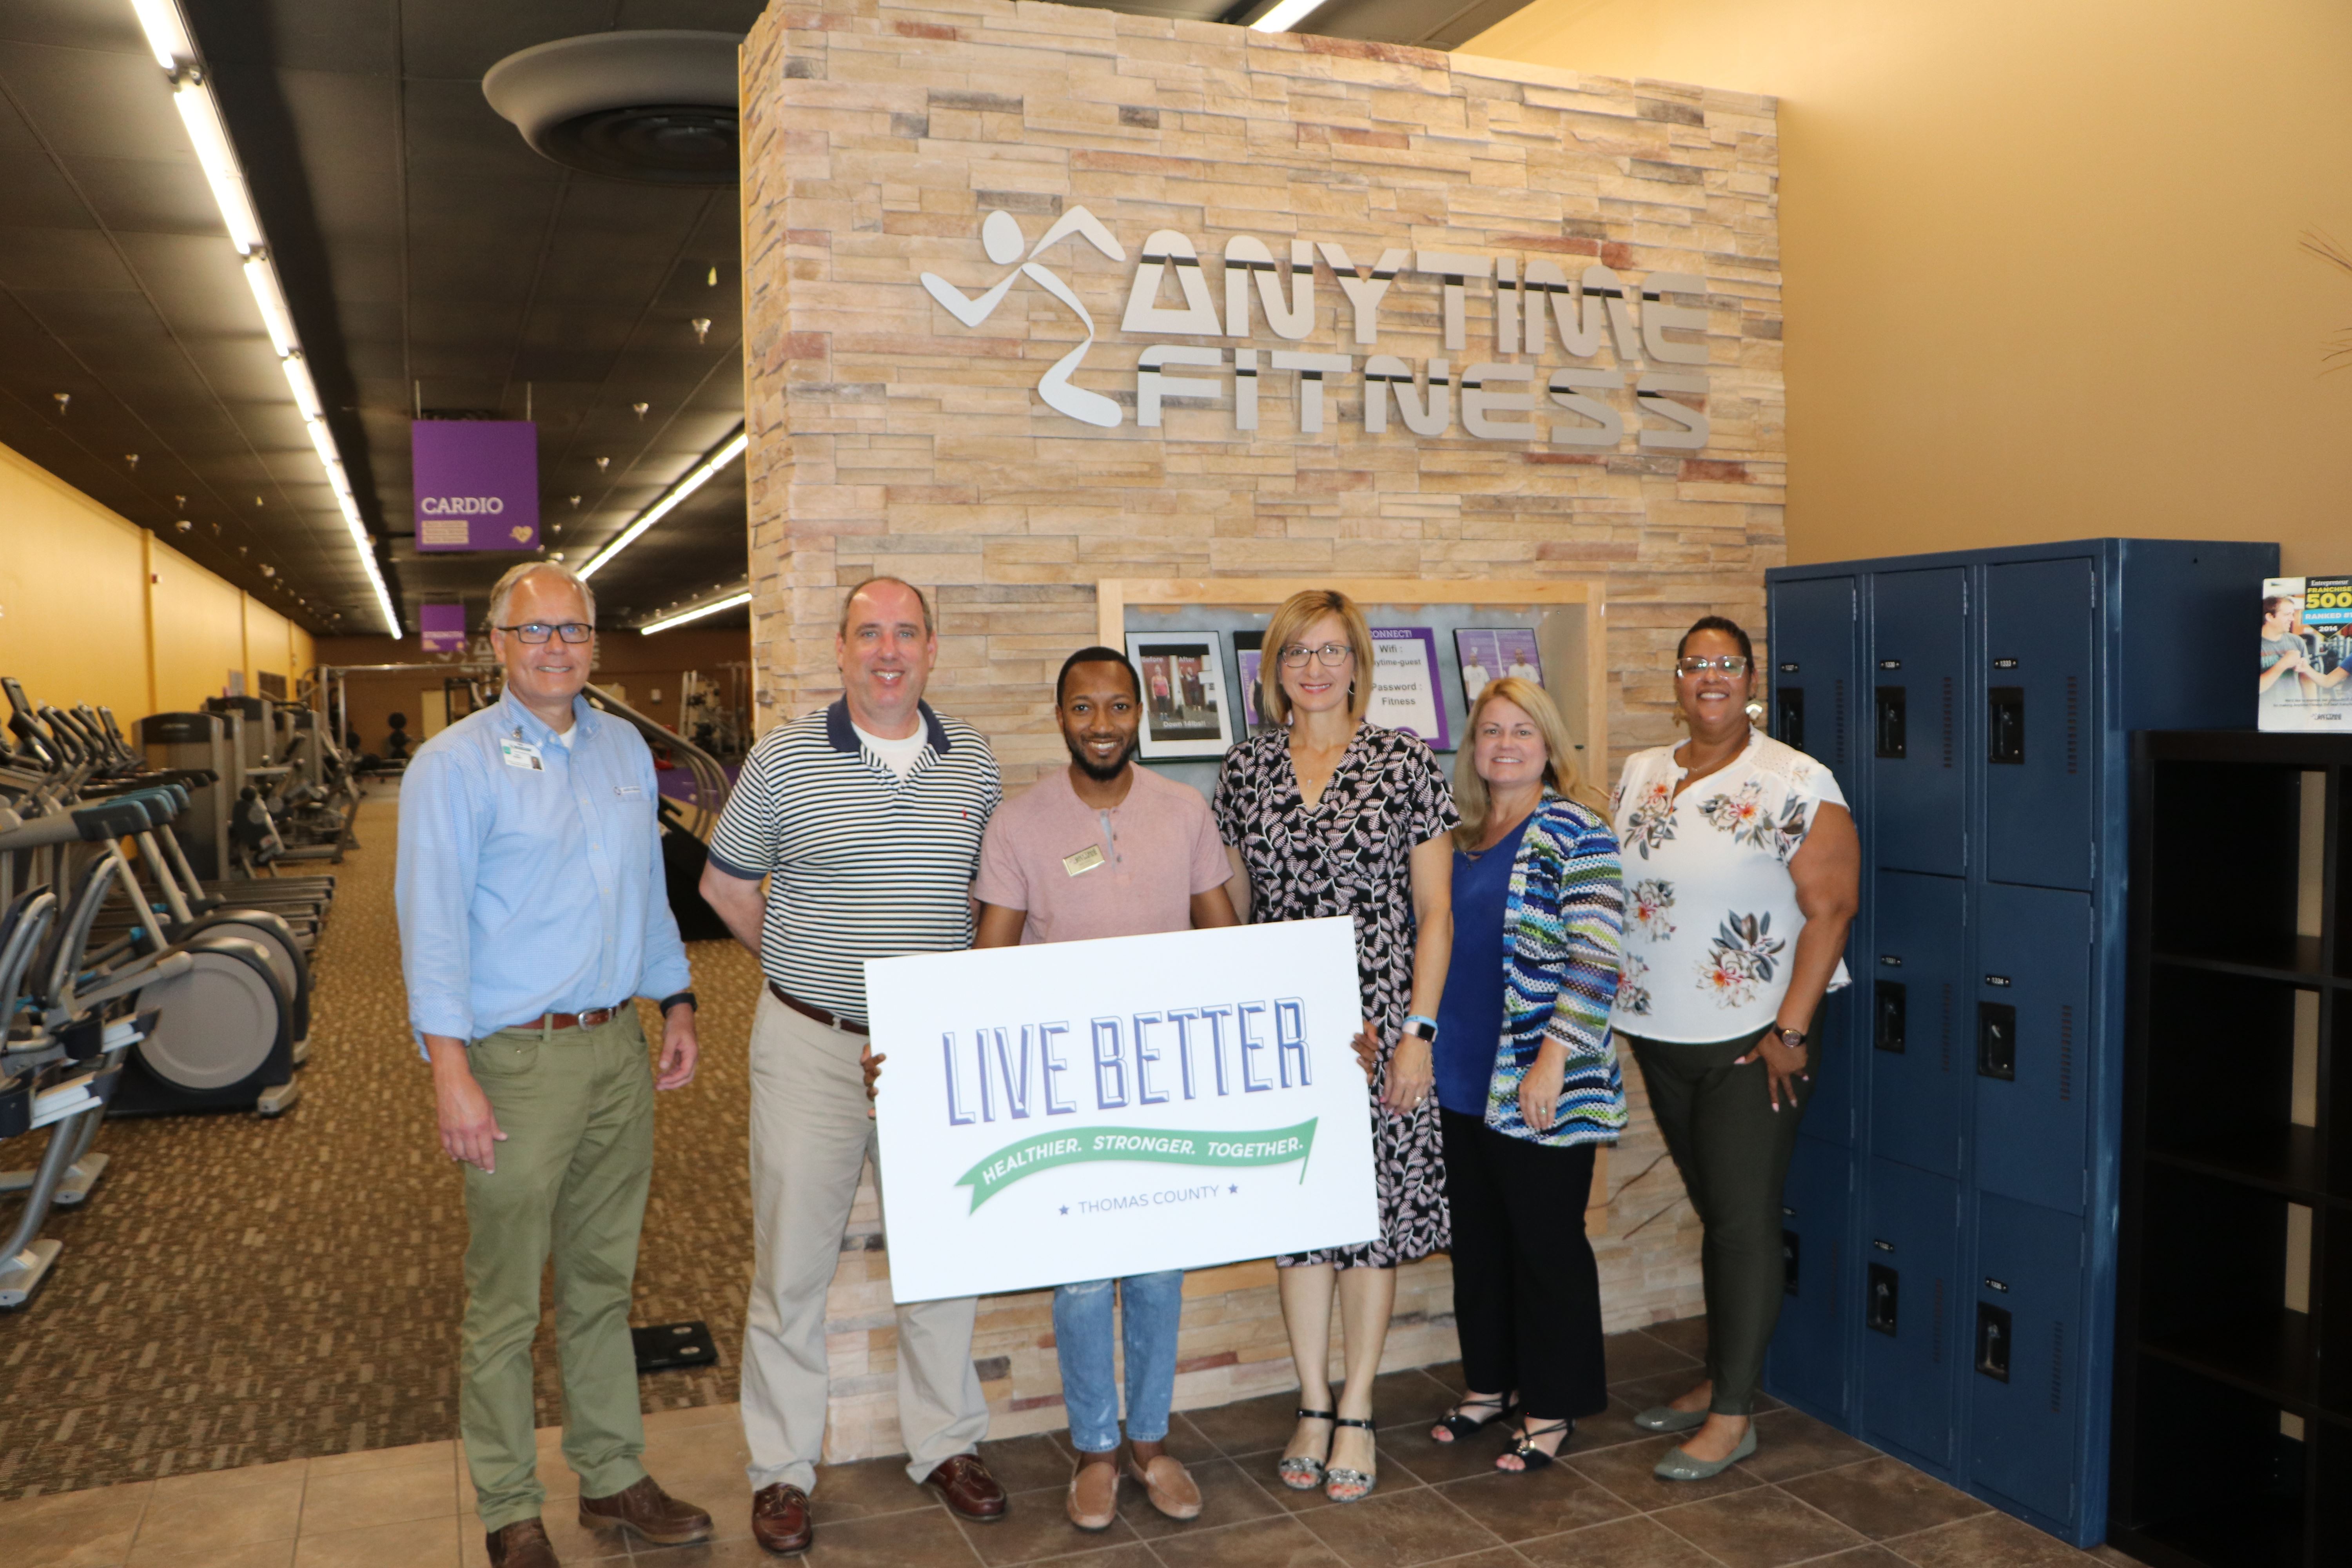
1837,707
1947,1027
2066,1051
2073,722
1947,721
2057,1367
1936,1327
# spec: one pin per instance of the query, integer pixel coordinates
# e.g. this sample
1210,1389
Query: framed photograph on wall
1490,652
1248,648
1404,684
1186,710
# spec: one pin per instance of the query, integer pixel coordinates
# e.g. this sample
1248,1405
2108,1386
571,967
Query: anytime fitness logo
1532,313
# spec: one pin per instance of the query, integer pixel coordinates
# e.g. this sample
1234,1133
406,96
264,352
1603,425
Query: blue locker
1807,1364
2025,1399
1812,672
1830,1114
1917,982
1918,632
2038,713
1995,695
2029,1034
1904,1269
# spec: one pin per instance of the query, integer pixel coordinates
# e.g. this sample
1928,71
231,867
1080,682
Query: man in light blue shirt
533,911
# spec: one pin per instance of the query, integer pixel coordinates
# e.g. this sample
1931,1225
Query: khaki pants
577,1109
810,1135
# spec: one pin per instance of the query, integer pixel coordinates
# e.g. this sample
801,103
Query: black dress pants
1526,1294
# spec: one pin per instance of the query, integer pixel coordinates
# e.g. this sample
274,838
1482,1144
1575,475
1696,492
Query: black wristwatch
669,1002
1792,1038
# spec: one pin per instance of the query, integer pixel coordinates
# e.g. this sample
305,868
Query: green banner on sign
1086,1145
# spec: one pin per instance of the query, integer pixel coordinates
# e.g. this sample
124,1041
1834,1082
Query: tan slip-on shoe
1093,1494
1168,1484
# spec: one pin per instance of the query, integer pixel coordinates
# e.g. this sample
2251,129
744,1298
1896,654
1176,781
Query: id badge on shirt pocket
521,755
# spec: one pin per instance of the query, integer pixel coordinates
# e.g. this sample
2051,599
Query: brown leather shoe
1168,1484
780,1519
968,1491
523,1544
1092,1502
647,1512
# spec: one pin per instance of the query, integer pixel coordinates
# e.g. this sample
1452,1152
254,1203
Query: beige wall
2041,257
95,609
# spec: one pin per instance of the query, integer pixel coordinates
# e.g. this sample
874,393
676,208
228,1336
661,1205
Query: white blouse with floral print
1711,916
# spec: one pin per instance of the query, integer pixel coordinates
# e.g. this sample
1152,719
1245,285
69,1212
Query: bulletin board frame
1114,597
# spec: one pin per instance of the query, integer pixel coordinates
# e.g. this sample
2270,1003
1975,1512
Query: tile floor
1810,1495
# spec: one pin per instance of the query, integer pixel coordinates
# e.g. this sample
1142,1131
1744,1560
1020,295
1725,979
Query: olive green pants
577,1109
1732,1150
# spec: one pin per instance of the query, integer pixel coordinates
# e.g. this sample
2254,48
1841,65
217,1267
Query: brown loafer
780,1522
647,1512
964,1484
1094,1492
523,1544
1168,1484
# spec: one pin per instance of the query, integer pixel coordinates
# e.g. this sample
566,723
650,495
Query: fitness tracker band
669,1002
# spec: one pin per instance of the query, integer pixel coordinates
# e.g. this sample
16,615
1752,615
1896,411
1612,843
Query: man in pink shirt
1105,848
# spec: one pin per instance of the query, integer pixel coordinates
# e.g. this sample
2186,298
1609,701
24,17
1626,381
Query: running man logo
1535,311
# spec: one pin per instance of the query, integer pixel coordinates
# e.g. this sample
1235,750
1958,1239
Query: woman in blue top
1526,1074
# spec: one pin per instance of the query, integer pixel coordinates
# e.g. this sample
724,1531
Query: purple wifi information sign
477,483
442,627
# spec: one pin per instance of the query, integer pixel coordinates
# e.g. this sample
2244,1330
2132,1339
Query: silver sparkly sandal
1304,1472
1342,1483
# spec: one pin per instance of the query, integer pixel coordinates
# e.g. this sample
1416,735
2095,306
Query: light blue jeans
1153,1304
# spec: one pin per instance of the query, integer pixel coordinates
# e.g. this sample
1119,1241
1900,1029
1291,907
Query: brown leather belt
822,1016
590,1019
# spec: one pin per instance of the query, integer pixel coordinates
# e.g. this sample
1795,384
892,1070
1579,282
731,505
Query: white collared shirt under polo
861,863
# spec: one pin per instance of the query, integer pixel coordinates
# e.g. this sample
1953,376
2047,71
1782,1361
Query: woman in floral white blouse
1742,872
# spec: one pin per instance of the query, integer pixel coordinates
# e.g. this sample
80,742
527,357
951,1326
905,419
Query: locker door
2038,718
1917,684
1910,1239
1912,1040
1812,672
1807,1363
2030,1040
2024,1349
1828,1115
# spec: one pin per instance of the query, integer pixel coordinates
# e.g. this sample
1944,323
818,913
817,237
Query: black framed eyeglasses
1331,654
1730,664
537,632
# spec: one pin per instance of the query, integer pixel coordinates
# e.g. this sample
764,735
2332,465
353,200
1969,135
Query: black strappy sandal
1458,1425
1343,1483
1304,1472
1532,1458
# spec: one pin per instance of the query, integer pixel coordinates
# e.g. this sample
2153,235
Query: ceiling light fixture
730,450
1286,14
175,49
696,614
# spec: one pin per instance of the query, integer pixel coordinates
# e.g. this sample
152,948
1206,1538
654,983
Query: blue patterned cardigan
1560,927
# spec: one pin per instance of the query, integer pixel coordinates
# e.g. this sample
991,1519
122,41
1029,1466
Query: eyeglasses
1331,654
537,632
1730,664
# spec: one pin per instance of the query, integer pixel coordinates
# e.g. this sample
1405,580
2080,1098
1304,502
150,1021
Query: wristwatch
1792,1038
673,1000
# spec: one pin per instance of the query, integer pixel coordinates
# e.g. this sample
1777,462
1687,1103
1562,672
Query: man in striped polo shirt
866,818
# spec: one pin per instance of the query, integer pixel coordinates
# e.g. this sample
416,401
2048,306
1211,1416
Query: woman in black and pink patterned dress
1325,815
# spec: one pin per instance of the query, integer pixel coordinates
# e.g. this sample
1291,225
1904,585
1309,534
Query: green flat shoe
1678,1466
1666,1418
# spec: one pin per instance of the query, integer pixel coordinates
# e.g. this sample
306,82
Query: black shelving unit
2221,1176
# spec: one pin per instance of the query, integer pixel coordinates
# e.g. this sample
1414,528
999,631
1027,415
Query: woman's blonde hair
1561,772
1298,612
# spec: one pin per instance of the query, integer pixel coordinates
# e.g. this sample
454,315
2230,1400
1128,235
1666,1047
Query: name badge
521,754
1085,860
629,792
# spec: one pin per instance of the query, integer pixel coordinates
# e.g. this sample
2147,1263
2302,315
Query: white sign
1091,1109
1538,311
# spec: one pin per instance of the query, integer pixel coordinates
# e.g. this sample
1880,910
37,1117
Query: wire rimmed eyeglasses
1730,663
1331,655
536,632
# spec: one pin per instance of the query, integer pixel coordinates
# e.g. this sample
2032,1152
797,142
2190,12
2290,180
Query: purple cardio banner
442,627
477,483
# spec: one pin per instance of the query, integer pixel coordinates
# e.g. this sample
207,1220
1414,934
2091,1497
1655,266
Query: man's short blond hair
505,585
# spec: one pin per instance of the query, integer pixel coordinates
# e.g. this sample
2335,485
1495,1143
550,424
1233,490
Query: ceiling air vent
656,107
